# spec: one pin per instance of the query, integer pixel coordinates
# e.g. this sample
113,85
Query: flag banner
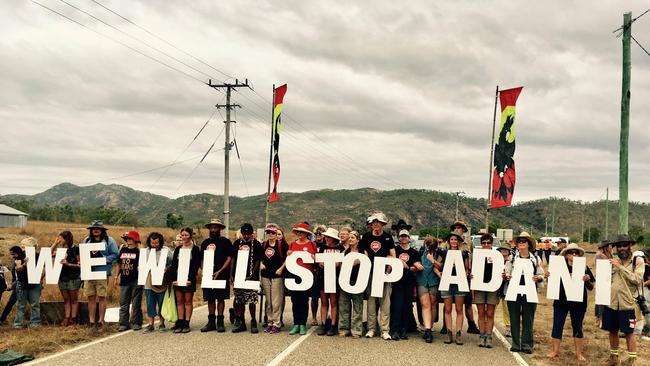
275,165
503,170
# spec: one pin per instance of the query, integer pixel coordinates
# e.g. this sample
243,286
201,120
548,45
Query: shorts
212,294
185,289
154,302
619,320
452,292
243,296
431,290
485,297
96,288
70,285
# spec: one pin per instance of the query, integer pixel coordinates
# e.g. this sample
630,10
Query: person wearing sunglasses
627,276
486,301
319,240
562,307
272,271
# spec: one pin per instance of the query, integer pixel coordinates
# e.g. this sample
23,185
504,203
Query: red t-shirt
309,246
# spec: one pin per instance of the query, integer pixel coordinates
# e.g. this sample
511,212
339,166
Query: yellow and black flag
275,162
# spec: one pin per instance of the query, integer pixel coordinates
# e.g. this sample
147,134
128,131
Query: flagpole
268,189
491,162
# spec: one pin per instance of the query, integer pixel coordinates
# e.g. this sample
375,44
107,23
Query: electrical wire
639,44
202,159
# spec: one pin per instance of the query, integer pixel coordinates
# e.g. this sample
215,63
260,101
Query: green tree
174,221
593,234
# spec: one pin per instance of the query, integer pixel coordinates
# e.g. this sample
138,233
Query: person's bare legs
459,302
92,307
425,301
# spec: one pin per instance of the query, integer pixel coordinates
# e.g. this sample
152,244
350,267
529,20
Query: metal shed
10,217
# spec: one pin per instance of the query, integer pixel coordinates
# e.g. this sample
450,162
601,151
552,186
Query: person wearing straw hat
453,296
562,307
300,299
223,254
96,290
619,315
328,300
522,311
378,243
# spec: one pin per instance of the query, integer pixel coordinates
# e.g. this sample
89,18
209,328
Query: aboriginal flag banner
278,96
503,168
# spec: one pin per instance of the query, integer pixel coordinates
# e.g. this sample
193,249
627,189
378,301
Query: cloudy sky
381,94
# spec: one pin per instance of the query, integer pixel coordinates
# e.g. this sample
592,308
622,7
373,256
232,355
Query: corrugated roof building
10,217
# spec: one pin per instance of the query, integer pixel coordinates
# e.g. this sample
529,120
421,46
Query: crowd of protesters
390,316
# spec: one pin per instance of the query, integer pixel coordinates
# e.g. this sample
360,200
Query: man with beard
627,275
223,253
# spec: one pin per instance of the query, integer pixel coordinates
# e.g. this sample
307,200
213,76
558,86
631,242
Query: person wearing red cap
127,278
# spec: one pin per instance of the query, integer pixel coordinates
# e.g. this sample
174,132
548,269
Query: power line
200,161
633,20
639,44
119,42
163,40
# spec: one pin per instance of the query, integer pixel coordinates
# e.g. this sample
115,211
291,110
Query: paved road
195,348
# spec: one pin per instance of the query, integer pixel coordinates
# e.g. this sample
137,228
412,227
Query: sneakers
428,336
458,339
488,341
162,328
394,337
332,331
321,330
136,326
178,327
122,328
148,329
482,339
386,336
370,334
303,329
295,330
274,330
645,338
268,328
402,335
508,334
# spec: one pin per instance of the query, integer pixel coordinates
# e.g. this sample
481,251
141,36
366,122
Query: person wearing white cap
378,243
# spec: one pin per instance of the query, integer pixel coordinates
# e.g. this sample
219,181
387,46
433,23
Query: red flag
503,176
275,167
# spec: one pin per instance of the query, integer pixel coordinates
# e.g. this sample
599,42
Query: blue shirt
427,277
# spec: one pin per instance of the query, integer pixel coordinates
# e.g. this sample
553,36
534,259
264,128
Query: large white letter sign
183,272
523,267
240,273
603,282
478,269
559,273
87,262
346,272
35,268
329,269
305,275
208,271
379,275
147,263
453,259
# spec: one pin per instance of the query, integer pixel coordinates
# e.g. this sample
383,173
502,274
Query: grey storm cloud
380,94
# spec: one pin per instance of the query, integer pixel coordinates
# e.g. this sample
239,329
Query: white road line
85,345
503,340
291,348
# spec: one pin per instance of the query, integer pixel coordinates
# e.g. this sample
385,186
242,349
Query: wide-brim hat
525,235
215,222
622,238
573,246
379,216
97,224
302,227
504,245
401,224
603,244
461,238
460,223
332,233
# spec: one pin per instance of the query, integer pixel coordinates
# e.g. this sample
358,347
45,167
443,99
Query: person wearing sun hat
97,290
222,259
300,299
328,301
378,243
619,315
460,227
453,297
522,311
562,307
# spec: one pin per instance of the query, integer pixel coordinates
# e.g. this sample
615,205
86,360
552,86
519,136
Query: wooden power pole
623,205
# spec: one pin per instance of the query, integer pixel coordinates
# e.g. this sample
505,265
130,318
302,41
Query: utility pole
228,145
545,226
553,221
457,199
582,227
623,205
607,213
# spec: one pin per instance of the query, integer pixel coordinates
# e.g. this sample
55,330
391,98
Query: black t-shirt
128,258
254,249
71,273
20,276
222,250
487,270
273,258
465,255
410,256
195,263
563,300
376,246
